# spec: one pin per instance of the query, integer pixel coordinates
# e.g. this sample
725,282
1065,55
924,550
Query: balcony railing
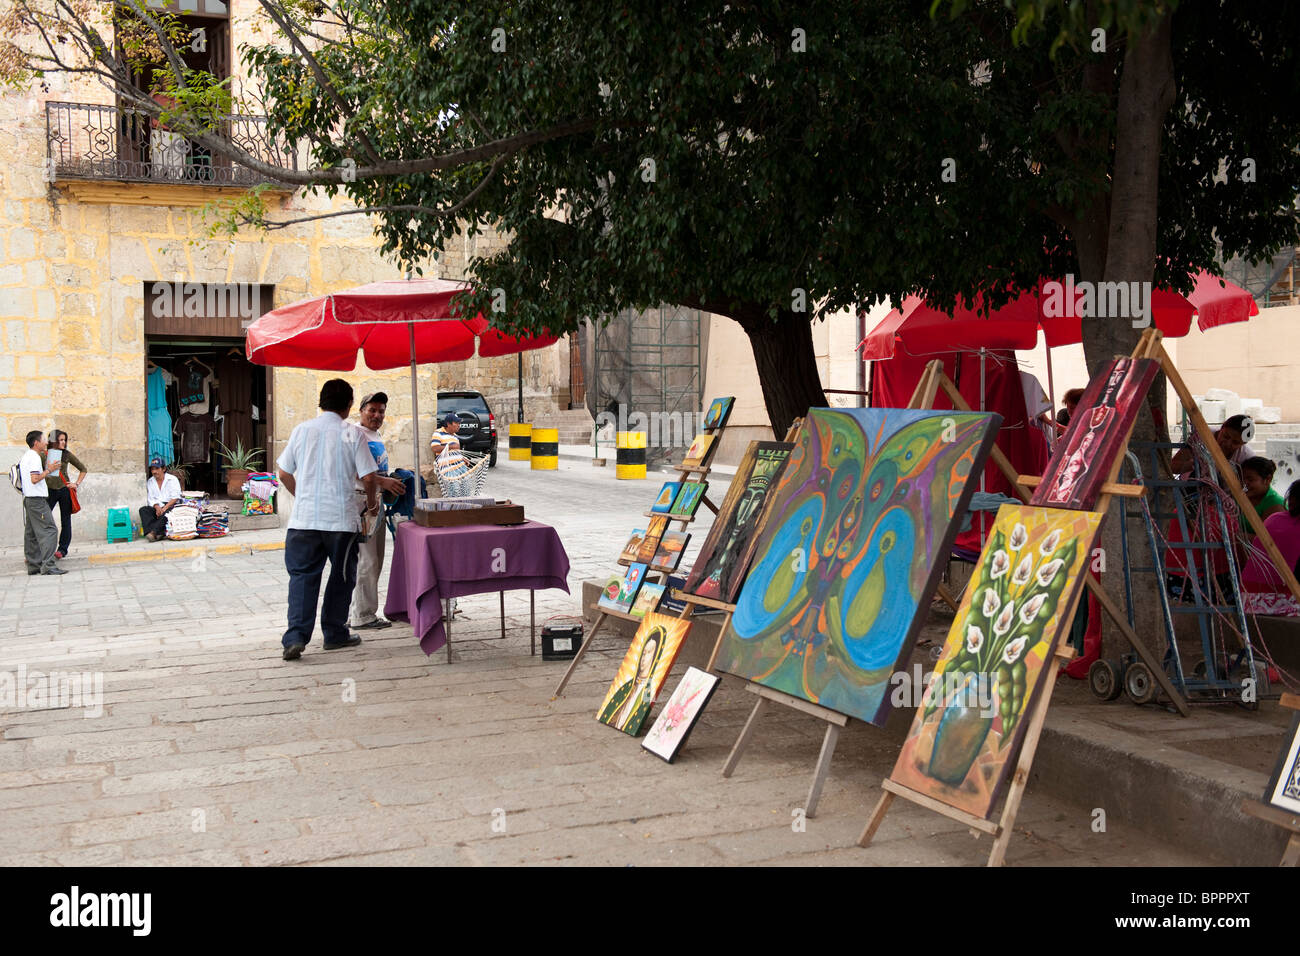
87,141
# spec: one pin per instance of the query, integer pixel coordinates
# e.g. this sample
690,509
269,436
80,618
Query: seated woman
1256,482
163,491
1263,590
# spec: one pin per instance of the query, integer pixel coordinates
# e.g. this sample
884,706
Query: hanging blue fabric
160,422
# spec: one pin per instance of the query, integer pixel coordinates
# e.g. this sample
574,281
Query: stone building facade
90,221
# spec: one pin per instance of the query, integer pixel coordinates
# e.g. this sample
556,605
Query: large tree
765,161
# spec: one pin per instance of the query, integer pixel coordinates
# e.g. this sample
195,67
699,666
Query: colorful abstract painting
725,556
671,547
667,495
1284,787
678,717
698,453
1021,598
718,412
647,599
628,587
1098,432
689,498
650,540
643,672
633,545
850,550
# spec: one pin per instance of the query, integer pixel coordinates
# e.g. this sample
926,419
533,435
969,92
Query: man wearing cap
320,466
162,491
370,561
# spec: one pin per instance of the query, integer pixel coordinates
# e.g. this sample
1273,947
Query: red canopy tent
392,323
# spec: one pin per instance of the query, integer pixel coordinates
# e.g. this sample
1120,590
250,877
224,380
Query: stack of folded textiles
214,522
183,521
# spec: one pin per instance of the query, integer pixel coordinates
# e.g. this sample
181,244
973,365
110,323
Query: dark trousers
305,553
151,523
63,498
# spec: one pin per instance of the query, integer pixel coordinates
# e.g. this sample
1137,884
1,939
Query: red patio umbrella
392,323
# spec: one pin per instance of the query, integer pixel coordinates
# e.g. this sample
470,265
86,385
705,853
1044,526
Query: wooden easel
684,473
1148,347
1002,830
1276,815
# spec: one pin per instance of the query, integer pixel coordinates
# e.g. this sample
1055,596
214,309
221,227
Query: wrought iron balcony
88,141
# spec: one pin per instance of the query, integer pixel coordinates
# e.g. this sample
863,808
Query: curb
184,553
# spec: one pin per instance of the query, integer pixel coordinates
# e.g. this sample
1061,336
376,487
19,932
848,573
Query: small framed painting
1284,787
698,453
718,412
689,498
647,599
633,545
678,717
650,540
667,495
628,587
671,547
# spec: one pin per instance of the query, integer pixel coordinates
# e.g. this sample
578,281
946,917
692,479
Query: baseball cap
157,462
451,418
380,397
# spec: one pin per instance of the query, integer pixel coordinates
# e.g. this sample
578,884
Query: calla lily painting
1006,629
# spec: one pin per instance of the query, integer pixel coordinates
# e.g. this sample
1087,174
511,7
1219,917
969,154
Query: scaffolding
649,363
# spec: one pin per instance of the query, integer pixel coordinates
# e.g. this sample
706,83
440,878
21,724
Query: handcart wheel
1104,679
1198,671
1139,684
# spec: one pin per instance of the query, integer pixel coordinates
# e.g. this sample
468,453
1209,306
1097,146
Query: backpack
16,476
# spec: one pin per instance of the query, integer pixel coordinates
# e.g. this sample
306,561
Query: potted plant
239,463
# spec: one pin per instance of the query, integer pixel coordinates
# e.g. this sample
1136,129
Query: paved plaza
211,750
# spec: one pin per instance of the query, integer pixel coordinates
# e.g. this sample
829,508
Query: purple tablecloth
430,564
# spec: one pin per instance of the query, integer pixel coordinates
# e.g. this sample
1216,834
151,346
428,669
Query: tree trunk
1146,93
787,365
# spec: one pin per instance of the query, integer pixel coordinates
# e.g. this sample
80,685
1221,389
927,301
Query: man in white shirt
365,598
40,536
320,466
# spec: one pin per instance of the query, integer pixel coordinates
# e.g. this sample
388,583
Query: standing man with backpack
40,536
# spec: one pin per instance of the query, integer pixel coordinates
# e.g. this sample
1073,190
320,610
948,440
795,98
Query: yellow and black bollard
545,449
521,440
630,456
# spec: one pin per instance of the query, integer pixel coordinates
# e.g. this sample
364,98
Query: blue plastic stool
120,526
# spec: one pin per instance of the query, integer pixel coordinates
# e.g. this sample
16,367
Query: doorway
203,396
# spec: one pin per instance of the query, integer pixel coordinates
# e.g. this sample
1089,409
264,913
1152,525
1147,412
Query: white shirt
29,463
326,457
171,488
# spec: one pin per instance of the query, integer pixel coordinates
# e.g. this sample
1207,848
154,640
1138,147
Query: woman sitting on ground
163,491
1263,590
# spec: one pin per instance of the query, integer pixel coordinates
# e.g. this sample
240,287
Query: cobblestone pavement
209,749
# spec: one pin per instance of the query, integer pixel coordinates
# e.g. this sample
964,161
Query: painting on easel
718,412
678,717
1097,433
720,567
1284,787
1021,599
849,552
643,672
649,546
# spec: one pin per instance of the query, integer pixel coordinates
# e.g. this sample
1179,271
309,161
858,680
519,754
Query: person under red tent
1263,590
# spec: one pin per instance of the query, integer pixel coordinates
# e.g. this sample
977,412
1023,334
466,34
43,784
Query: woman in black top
58,485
